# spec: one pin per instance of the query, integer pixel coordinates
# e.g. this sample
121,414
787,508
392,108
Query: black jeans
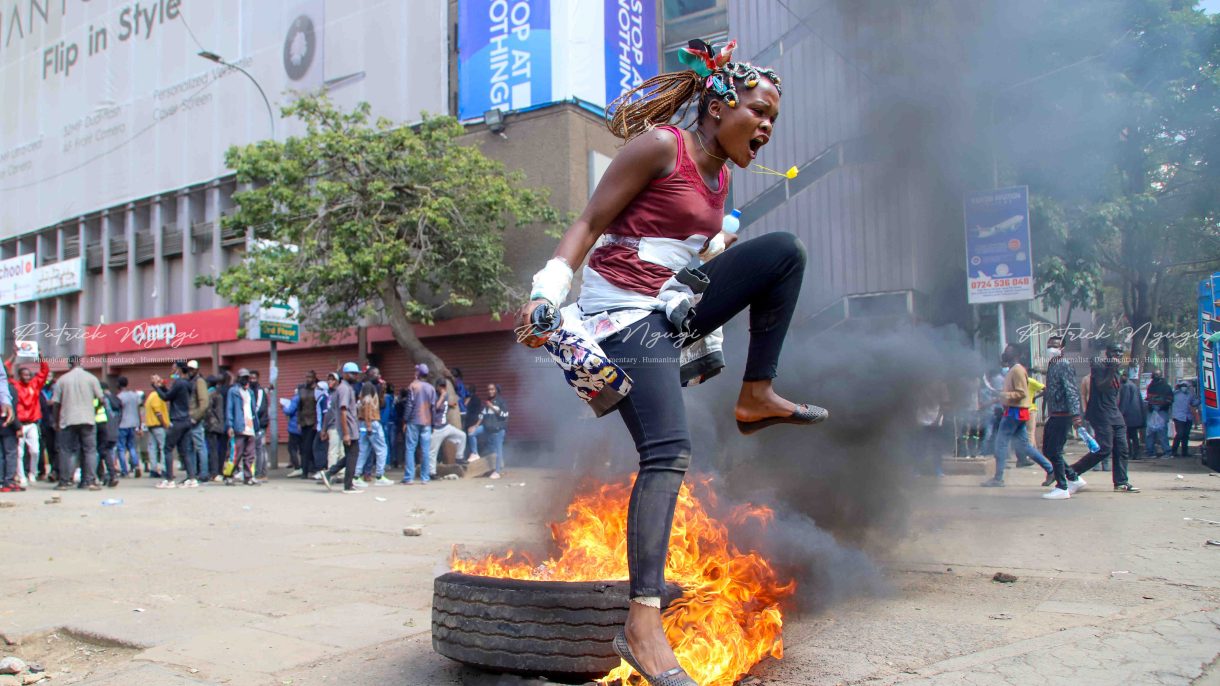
763,274
178,440
1181,436
108,462
320,452
1134,445
294,450
9,455
350,452
82,439
46,442
307,451
1054,437
1111,439
218,446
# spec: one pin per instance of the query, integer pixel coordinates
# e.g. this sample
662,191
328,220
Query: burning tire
554,629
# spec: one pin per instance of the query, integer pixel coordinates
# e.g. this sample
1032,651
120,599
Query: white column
107,282
211,213
134,297
82,298
156,224
184,228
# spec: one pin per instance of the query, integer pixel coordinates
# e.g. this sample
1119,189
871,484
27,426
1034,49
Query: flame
729,618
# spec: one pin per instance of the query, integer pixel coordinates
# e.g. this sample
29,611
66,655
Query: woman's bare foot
758,400
646,638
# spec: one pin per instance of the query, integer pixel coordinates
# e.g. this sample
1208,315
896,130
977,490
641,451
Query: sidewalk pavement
290,584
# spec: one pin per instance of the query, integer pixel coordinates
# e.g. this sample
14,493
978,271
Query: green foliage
1123,143
385,219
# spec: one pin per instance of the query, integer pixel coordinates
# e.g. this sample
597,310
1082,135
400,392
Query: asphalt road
289,584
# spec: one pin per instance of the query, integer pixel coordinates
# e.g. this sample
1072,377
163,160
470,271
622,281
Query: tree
1062,275
371,219
1126,137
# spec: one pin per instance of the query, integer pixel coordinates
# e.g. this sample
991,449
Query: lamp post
213,57
273,372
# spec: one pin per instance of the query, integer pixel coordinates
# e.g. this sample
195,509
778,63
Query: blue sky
1212,6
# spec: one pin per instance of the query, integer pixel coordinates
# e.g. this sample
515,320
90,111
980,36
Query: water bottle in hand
1088,439
731,222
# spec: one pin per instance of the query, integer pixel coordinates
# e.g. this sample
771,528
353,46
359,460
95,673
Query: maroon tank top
677,206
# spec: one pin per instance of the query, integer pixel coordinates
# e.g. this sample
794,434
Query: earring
717,117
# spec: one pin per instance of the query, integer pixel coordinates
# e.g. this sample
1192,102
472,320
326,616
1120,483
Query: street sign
275,321
285,332
999,265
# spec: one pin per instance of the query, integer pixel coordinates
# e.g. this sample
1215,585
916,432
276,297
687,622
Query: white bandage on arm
715,246
552,282
648,601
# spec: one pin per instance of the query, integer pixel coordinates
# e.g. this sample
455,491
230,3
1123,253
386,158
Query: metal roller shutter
483,358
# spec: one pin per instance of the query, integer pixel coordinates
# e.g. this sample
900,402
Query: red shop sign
164,333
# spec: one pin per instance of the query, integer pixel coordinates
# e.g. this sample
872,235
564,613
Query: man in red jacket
29,416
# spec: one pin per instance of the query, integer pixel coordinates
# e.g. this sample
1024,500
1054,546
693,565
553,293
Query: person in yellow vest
106,416
156,423
1031,402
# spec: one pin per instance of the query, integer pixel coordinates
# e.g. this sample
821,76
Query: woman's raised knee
784,247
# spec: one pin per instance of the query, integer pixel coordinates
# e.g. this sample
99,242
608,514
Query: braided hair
659,99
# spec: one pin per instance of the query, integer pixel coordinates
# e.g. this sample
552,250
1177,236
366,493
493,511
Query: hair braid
660,98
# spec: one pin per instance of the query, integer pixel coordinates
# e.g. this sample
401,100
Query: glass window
681,8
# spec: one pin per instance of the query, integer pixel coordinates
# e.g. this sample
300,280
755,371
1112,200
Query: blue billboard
517,54
999,263
631,45
504,55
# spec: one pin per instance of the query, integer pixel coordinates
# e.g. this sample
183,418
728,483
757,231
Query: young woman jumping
658,206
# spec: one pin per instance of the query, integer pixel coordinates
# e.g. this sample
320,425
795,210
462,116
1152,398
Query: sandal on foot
674,677
803,414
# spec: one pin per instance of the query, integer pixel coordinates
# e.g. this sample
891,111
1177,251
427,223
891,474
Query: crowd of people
1105,408
76,431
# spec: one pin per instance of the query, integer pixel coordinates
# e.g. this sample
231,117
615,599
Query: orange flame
729,618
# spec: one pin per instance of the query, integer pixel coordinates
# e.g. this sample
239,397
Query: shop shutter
483,358
293,366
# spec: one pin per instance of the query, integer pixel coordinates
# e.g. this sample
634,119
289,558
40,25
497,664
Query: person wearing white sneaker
167,483
28,406
446,424
1057,494
241,423
1062,415
1102,413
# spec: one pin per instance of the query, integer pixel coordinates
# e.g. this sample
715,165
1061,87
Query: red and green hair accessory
720,72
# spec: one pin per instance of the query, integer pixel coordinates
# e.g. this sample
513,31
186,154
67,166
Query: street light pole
213,57
273,372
